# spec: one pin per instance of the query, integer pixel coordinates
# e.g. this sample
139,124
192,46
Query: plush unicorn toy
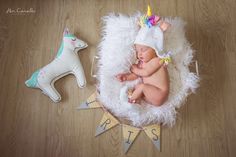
66,62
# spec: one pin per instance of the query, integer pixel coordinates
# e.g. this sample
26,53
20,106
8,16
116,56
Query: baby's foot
130,92
125,94
131,101
135,101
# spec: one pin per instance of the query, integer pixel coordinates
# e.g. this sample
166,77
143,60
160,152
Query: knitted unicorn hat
151,32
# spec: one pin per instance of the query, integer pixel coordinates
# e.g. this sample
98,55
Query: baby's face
144,53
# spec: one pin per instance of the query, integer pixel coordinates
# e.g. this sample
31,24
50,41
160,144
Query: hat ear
164,25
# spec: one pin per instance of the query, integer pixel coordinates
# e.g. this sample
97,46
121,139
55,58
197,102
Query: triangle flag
129,135
107,122
91,102
154,133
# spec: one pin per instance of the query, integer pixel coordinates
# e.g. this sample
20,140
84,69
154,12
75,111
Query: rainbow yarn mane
149,19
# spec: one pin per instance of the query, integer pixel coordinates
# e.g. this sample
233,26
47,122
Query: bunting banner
107,122
154,133
91,102
129,135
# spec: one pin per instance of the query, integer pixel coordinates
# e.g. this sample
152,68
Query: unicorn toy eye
73,39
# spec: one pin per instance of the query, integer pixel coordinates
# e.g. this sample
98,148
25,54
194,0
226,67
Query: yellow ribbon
165,60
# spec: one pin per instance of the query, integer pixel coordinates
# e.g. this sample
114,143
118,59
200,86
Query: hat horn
149,13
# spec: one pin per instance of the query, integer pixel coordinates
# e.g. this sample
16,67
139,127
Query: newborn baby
154,87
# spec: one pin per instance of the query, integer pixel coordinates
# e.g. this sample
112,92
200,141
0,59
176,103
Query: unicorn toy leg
50,91
45,77
46,89
80,77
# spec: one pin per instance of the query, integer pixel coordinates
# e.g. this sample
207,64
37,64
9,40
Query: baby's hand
133,68
121,77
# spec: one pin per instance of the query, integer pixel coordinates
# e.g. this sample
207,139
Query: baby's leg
154,95
137,94
150,93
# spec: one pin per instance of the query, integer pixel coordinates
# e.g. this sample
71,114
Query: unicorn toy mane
66,62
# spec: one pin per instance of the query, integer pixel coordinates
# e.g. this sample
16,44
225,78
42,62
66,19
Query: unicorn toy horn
66,62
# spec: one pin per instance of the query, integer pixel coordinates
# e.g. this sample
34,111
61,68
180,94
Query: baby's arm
126,77
149,69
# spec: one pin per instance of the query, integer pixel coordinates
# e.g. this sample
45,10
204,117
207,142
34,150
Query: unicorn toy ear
66,31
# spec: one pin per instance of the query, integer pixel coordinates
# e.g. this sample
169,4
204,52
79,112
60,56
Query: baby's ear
164,26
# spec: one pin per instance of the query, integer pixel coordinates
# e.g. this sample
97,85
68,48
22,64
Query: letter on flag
91,102
107,122
154,133
129,135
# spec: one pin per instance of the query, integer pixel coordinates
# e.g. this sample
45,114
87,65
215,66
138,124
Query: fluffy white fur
117,55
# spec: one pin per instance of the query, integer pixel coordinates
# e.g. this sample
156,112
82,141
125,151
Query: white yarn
117,55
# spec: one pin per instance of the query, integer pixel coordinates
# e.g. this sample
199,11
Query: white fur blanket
117,55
